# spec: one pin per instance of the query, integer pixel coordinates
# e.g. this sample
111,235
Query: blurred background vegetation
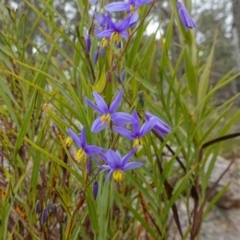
188,78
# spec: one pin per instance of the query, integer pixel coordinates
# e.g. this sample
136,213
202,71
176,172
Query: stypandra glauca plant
103,134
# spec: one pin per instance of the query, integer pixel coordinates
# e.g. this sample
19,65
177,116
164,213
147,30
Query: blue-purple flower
160,127
102,26
131,6
116,165
108,114
85,150
116,31
185,17
138,131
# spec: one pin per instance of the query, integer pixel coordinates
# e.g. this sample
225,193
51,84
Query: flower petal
136,126
162,128
143,2
123,118
93,1
132,165
124,34
124,132
115,103
148,126
127,157
104,167
92,105
100,102
160,124
110,23
105,33
114,159
98,126
75,137
185,17
103,156
124,24
117,7
108,176
134,18
83,137
92,149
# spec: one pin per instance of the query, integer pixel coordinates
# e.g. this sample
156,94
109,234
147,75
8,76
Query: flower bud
88,43
96,55
185,17
44,216
95,190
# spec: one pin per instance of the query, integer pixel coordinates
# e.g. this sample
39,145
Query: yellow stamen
81,156
118,175
116,37
106,118
69,142
133,9
137,142
104,42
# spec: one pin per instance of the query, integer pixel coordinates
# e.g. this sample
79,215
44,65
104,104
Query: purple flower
88,43
129,6
117,165
160,127
115,31
108,113
95,190
85,150
185,16
138,131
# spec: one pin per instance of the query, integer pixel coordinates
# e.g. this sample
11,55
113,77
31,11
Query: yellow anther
69,142
106,118
81,156
104,42
116,37
132,8
118,175
137,142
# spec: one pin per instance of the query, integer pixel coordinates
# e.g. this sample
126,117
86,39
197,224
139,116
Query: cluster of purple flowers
108,30
114,163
